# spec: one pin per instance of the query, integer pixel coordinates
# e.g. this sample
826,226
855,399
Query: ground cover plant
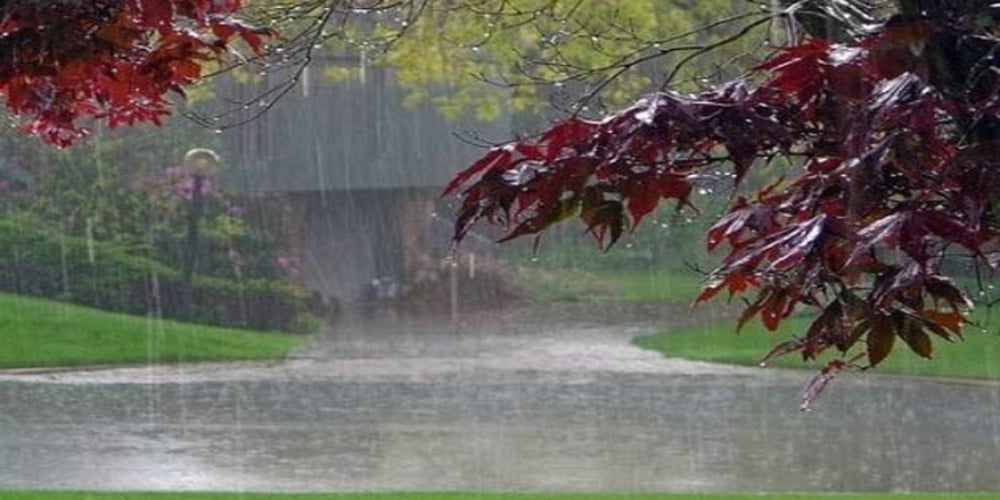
116,276
39,332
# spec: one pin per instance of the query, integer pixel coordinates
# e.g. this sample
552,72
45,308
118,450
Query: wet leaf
951,322
880,339
818,383
892,176
497,158
789,346
918,341
65,63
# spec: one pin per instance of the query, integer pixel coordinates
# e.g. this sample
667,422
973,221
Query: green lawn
977,357
482,496
632,285
655,286
39,332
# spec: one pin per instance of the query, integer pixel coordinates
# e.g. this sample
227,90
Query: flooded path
510,401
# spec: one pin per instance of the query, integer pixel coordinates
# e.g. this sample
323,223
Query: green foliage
38,261
82,203
265,304
453,54
98,187
39,333
104,224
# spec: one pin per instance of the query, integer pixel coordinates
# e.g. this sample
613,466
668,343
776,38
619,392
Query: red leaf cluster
114,60
895,163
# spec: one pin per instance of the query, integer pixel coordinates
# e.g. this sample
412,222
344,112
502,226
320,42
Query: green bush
37,261
261,304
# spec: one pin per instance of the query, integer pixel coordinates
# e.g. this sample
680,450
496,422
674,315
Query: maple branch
708,48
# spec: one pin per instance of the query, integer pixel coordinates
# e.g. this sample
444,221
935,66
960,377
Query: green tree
487,57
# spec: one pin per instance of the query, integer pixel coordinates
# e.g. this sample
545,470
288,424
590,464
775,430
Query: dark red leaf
789,346
642,199
711,288
880,339
943,289
565,134
496,158
62,63
751,310
951,322
950,229
819,382
918,341
892,165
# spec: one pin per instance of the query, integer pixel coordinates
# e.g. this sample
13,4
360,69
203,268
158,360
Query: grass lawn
633,285
656,286
977,357
39,332
481,496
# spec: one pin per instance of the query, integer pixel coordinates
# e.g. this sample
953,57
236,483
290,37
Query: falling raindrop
89,233
363,67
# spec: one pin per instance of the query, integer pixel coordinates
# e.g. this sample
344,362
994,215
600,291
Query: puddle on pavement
516,409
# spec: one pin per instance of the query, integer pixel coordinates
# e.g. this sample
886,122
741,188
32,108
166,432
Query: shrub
37,261
259,303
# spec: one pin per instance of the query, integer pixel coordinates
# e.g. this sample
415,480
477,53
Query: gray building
353,178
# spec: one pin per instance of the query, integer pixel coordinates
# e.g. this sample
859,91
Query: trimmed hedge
41,262
261,304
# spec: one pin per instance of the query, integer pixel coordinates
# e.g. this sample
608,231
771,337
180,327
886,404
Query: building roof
346,136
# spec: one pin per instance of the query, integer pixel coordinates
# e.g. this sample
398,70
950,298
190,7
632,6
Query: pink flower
184,188
290,264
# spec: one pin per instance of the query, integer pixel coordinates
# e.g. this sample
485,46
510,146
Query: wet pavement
514,400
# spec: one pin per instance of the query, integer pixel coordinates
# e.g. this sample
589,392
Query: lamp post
200,163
